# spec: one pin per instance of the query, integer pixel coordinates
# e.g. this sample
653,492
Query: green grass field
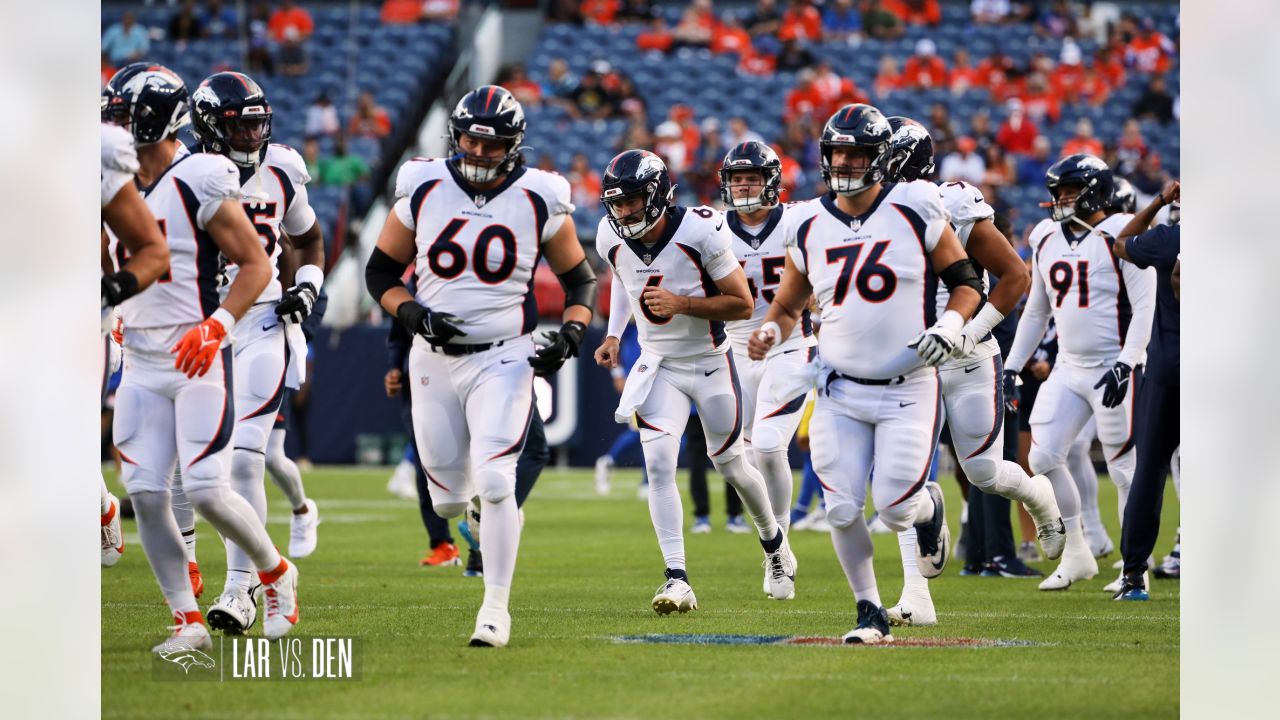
587,571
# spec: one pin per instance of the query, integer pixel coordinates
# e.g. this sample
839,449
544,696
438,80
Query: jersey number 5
448,259
1061,276
875,282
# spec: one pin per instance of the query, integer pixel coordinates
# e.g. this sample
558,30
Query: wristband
311,274
224,318
771,327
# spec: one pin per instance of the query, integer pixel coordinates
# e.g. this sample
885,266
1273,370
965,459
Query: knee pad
1042,460
250,435
127,418
899,517
843,515
143,480
982,471
451,509
263,378
766,439
494,485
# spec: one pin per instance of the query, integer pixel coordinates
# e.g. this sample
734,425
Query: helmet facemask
244,137
849,181
761,192
633,224
484,169
1066,205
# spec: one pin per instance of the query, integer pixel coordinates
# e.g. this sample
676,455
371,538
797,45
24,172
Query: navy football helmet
631,174
489,112
860,126
910,151
1124,199
115,109
1091,175
230,116
752,155
152,101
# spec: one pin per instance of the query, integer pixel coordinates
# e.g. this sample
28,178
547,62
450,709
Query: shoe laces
1047,531
773,563
110,538
271,599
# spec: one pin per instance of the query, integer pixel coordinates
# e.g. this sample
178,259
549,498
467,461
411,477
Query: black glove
438,328
118,287
296,304
564,344
1009,388
1116,384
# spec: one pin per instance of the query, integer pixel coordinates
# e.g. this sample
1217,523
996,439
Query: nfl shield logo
643,368
647,258
480,200
854,224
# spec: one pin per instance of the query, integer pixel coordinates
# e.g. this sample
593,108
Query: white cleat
872,628
493,629
675,595
780,573
933,537
1053,538
1073,568
795,566
189,633
1113,587
233,612
1101,546
302,531
280,599
604,468
112,538
915,607
1044,511
404,482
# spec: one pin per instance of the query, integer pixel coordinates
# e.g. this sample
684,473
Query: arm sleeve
1032,324
719,261
221,182
619,308
1141,286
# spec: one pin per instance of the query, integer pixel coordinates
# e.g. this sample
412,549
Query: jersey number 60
448,259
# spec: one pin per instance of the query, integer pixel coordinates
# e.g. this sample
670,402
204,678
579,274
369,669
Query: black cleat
873,626
933,539
475,564
1012,567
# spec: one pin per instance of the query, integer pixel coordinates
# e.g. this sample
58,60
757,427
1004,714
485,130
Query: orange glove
197,349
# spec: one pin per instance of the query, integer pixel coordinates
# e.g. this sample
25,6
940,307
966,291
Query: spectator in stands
1109,62
516,80
341,169
1130,149
185,25
841,22
668,143
916,12
1017,135
546,163
1150,50
800,143
1150,178
311,157
1032,167
584,183
600,12
1156,103
1065,79
730,36
107,69
803,20
880,23
657,37
804,100
793,55
994,73
1083,141
440,10
637,11
259,54
1059,20
989,12
322,117
1093,87
695,26
682,116
739,132
941,129
126,41
981,131
757,63
292,55
564,11
963,164
636,135
925,69
766,19
406,12
833,91
1040,103
290,15
370,119
963,74
628,99
591,100
560,81
1001,169
888,79
219,21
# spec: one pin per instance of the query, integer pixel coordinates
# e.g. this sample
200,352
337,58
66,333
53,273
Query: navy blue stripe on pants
1157,433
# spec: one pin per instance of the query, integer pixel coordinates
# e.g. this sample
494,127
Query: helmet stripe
489,99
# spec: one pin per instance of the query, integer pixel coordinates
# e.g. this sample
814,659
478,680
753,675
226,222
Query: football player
873,254
675,270
180,411
475,224
971,378
1103,308
750,182
231,117
125,212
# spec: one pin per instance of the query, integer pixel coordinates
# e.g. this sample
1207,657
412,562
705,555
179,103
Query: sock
750,486
234,519
284,471
1076,543
677,574
247,469
909,549
500,538
771,545
665,510
189,539
1065,491
162,545
854,550
776,471
104,496
496,597
183,513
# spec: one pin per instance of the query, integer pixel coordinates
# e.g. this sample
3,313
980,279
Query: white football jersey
694,251
1092,295
872,275
119,160
183,199
477,251
275,199
762,257
965,206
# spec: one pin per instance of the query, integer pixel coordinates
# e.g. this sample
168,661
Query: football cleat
1012,567
1102,547
112,537
872,628
1171,568
933,538
675,595
1028,552
189,633
443,555
736,525
701,525
197,580
475,564
915,607
780,573
1132,589
280,598
233,612
302,531
1053,538
1043,509
604,468
493,628
1115,586
1077,564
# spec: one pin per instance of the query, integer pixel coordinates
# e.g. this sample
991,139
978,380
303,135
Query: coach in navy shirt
1157,429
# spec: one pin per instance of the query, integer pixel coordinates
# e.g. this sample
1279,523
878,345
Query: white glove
935,344
977,329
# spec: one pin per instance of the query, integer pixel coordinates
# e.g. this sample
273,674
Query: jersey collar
145,191
647,253
770,222
855,221
1072,237
480,197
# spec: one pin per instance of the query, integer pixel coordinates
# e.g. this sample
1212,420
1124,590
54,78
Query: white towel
296,373
637,387
796,384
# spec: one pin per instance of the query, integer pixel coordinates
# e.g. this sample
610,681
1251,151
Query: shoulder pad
415,172
288,160
118,151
